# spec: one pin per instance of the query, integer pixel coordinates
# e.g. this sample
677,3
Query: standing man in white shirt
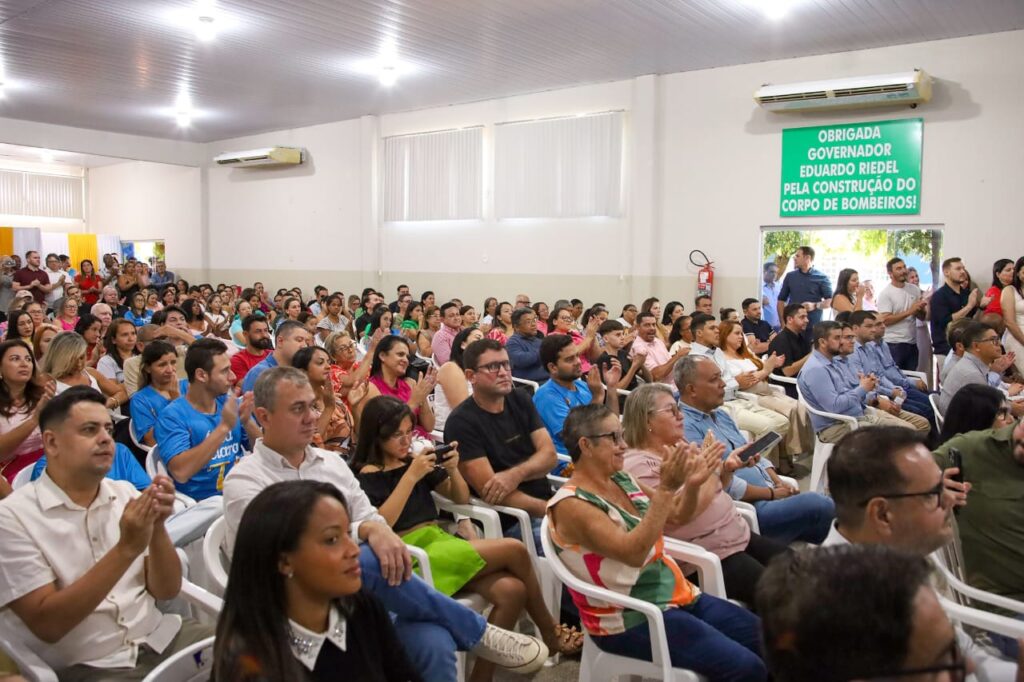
86,558
57,279
899,305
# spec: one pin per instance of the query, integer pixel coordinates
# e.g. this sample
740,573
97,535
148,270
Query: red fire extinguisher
706,274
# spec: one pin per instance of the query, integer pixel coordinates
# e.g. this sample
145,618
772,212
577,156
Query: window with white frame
560,167
433,176
42,195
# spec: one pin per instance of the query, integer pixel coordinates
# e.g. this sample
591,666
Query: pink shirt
442,343
719,528
27,452
657,354
402,390
577,339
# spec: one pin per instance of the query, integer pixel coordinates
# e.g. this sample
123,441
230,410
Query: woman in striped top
607,529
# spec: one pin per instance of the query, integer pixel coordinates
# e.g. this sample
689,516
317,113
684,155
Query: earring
290,575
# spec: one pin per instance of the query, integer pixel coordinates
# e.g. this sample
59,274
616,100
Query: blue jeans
806,517
1007,646
431,625
712,637
516,532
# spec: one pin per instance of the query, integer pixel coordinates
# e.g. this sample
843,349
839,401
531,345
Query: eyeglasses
957,667
495,367
344,346
674,409
991,339
400,435
616,437
938,491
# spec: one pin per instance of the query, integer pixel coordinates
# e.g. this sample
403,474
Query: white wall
142,200
702,171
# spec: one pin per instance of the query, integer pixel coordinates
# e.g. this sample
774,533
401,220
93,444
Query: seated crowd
333,435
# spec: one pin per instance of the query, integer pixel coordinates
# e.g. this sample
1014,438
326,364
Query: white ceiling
119,65
35,155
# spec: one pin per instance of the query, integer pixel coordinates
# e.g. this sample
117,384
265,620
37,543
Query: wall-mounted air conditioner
909,87
267,156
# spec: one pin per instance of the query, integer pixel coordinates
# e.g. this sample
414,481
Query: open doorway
862,248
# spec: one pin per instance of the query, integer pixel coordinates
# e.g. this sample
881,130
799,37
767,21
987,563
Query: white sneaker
516,652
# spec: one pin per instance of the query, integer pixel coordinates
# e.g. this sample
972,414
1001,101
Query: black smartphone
441,450
761,445
957,460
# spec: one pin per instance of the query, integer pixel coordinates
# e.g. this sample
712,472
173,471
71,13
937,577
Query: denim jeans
806,517
904,355
430,625
712,637
516,532
1007,646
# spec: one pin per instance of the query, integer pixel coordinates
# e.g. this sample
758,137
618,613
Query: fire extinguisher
706,274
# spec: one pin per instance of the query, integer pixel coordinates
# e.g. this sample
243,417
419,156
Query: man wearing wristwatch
807,285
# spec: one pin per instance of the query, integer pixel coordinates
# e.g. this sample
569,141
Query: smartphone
442,450
957,460
762,444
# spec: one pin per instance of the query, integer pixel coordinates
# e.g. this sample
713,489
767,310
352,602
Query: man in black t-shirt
615,341
758,332
791,343
505,452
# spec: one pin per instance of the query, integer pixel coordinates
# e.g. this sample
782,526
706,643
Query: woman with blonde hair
65,362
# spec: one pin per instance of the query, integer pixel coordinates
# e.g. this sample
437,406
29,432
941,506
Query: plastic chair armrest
709,566
196,595
749,514
420,555
488,518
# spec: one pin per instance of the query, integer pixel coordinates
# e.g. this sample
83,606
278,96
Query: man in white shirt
888,490
899,305
86,558
57,279
431,625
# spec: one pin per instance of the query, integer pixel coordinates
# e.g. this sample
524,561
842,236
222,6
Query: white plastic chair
596,664
136,442
192,664
822,451
213,554
965,593
749,514
532,385
23,477
933,399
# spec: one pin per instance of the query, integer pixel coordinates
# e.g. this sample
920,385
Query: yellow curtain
6,241
82,247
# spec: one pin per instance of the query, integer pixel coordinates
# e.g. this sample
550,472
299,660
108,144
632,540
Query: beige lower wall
474,288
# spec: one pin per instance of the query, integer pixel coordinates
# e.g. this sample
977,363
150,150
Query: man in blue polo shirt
807,285
289,339
524,347
200,435
565,389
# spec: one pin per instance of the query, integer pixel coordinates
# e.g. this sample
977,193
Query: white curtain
54,242
433,176
107,243
559,168
37,194
27,239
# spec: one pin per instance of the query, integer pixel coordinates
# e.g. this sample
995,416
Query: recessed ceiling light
206,20
183,111
388,75
46,156
774,9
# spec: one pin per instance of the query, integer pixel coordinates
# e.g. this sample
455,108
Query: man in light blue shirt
770,296
783,513
565,389
524,347
824,385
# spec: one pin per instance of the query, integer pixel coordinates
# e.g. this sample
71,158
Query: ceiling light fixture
46,156
183,109
775,9
388,75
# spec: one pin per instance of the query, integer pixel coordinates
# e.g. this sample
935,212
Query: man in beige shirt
86,558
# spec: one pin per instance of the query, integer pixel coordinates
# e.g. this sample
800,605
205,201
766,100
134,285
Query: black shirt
943,304
378,486
623,355
761,330
505,439
795,347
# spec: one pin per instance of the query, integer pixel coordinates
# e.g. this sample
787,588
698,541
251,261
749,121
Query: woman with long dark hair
452,386
850,293
158,387
1013,315
975,407
20,327
89,282
1002,277
22,398
400,485
334,425
680,337
90,328
293,607
120,344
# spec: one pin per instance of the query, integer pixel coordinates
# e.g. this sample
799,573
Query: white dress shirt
254,472
47,538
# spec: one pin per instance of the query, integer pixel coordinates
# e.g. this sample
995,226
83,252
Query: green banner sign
852,169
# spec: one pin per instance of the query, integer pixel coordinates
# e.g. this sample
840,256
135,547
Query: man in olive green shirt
992,523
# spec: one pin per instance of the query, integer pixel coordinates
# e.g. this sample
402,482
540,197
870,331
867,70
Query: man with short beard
258,346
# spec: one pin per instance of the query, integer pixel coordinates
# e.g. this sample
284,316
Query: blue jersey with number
182,427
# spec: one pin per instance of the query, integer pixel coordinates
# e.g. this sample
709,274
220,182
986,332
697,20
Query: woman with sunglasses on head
294,609
400,485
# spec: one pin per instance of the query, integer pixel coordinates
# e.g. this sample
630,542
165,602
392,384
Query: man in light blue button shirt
824,385
770,295
783,513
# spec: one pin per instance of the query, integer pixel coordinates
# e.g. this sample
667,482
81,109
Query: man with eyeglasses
505,452
857,613
991,527
888,490
522,301
981,349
